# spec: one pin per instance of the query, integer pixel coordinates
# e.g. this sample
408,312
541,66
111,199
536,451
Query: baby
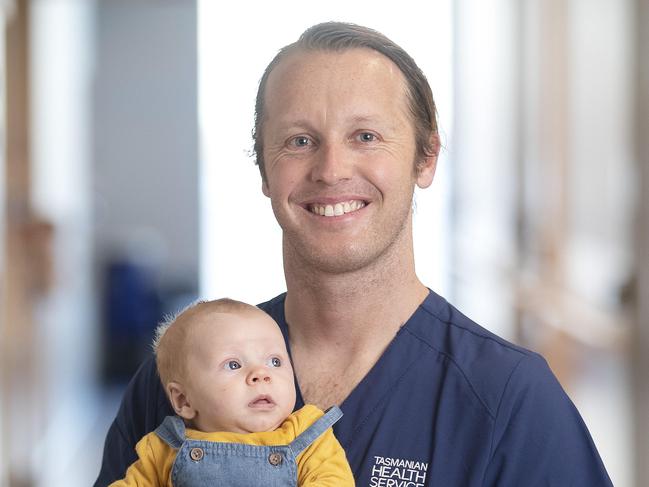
227,373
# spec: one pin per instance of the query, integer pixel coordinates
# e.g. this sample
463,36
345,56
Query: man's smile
336,209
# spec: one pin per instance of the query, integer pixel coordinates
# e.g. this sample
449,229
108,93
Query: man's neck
354,308
340,324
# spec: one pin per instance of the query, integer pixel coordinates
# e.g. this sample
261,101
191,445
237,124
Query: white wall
485,158
241,241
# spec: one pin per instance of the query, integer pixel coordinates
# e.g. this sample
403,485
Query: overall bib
200,463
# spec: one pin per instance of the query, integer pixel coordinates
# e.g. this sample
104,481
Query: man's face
339,152
239,375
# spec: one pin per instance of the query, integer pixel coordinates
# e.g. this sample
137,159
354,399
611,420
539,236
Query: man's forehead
301,63
363,74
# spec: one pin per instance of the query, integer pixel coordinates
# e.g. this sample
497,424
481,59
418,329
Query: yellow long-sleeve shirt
321,464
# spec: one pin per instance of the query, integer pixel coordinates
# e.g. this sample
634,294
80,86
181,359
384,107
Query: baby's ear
179,401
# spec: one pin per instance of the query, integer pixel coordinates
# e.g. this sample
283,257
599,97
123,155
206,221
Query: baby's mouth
262,402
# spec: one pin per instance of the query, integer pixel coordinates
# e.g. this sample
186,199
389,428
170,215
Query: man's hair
338,37
173,332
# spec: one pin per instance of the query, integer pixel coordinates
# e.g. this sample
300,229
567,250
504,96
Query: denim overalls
200,463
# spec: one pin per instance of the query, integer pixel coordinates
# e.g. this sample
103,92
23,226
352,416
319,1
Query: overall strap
308,436
172,431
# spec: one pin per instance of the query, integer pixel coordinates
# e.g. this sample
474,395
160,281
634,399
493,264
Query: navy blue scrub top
448,404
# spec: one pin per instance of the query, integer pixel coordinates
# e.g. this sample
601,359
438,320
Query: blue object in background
133,305
132,310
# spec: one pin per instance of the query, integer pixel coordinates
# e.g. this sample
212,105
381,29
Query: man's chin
337,261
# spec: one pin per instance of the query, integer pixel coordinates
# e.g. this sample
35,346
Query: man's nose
332,164
258,375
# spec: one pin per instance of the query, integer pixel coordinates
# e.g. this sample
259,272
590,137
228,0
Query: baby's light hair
167,321
172,333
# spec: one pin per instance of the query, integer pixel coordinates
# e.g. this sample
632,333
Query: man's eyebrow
365,118
380,121
303,124
293,124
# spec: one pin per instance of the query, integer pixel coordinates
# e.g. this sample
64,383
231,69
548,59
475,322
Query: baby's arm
152,466
324,464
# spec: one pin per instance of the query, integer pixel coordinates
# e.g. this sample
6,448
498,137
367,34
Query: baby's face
239,377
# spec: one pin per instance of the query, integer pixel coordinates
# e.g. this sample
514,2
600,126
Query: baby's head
225,367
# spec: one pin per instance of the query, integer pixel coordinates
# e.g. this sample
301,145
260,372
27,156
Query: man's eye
232,365
366,137
275,362
300,141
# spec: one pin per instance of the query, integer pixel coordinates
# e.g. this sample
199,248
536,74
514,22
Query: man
345,128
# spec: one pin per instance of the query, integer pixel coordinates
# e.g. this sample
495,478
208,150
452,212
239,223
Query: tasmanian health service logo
396,472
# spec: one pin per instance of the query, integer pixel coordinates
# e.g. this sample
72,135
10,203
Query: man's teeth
337,209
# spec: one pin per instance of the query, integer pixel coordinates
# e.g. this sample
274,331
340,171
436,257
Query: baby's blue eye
232,365
275,362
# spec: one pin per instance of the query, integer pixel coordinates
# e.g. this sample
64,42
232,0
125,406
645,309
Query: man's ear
264,188
426,167
179,401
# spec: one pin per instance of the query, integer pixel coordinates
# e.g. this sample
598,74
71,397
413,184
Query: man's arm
539,437
143,408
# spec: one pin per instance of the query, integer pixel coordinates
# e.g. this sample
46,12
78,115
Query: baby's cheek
223,392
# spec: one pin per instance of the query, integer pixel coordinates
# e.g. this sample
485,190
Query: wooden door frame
16,326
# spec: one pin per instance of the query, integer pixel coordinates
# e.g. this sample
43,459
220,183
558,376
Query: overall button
275,459
196,454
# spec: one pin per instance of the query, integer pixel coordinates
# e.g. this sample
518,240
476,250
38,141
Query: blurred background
127,189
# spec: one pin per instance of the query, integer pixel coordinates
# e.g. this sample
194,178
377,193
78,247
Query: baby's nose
258,376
